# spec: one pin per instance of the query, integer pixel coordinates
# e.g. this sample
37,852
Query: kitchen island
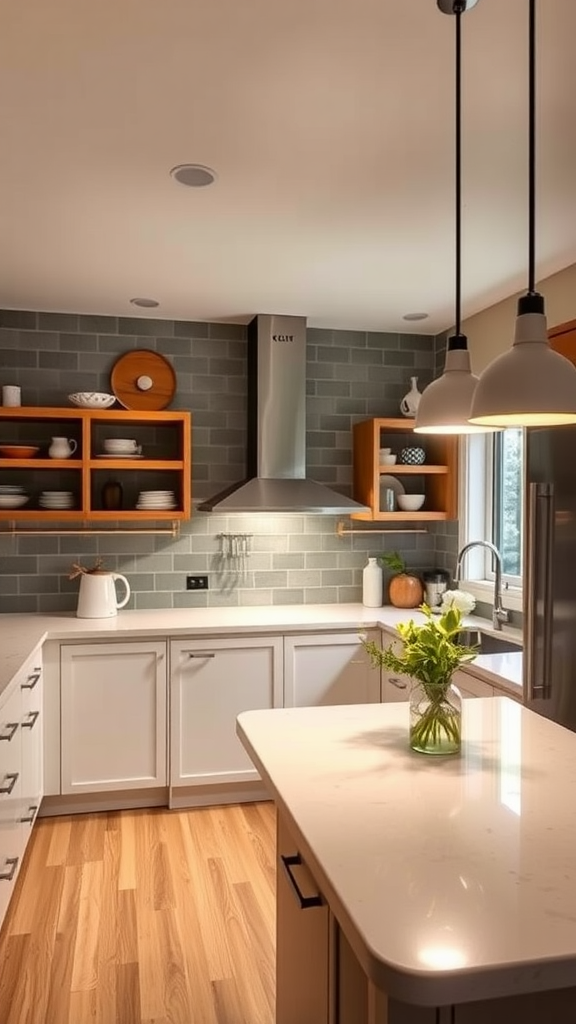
447,885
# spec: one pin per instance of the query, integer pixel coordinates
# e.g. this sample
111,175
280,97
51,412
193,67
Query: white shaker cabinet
20,771
32,730
471,686
330,668
113,710
10,792
212,681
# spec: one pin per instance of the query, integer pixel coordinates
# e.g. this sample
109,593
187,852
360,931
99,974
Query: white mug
11,395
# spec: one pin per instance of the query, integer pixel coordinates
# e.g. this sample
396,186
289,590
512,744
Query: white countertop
453,878
21,634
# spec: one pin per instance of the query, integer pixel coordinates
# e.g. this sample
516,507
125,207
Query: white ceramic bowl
13,500
410,502
387,460
92,399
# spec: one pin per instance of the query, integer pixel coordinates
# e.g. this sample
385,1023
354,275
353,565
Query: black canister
436,581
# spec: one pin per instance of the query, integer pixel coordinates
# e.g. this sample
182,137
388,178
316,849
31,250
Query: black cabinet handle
400,684
29,818
32,719
7,876
10,731
290,861
32,680
13,776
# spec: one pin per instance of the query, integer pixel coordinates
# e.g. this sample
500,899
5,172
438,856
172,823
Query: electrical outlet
196,583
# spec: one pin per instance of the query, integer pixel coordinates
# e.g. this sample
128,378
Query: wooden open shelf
167,462
439,473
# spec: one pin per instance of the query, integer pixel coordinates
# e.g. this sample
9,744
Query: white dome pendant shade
444,407
531,385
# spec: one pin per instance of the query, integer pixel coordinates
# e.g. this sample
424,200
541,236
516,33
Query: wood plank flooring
144,917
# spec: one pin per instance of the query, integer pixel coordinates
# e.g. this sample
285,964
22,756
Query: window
506,499
491,504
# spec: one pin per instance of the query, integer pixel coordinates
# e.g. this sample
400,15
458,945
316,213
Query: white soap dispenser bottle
372,585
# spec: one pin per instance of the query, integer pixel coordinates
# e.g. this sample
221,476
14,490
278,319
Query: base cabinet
324,669
20,771
113,710
211,682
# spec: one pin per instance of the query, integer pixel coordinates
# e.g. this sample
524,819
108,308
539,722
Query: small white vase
410,402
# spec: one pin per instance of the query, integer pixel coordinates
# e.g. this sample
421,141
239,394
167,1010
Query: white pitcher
411,401
97,597
62,447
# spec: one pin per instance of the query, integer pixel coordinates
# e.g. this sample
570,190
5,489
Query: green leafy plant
393,561
430,654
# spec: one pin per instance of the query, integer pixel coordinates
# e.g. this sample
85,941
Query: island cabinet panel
321,669
555,1007
113,716
303,940
212,681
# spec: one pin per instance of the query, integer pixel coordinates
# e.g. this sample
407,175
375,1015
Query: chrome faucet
499,613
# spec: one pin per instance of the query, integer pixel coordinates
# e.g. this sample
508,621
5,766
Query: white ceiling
330,124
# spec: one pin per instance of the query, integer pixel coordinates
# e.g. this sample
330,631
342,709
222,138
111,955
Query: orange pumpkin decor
404,590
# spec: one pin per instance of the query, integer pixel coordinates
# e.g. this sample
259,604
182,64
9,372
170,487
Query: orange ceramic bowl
18,451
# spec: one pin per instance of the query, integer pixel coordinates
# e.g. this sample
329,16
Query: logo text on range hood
276,456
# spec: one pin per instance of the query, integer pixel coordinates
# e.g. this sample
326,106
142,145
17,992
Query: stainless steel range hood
276,461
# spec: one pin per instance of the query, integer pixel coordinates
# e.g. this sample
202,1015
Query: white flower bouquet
460,600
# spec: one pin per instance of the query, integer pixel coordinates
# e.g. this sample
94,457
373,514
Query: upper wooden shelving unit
165,462
437,478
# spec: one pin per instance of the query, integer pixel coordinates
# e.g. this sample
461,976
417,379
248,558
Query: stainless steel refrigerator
550,574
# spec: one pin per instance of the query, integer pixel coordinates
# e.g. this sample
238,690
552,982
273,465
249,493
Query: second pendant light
445,404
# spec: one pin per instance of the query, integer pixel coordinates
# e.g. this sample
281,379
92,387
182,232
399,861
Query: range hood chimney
276,461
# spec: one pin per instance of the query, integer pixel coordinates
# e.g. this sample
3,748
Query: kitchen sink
488,643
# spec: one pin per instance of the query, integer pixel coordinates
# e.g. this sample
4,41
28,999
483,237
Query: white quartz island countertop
453,878
20,635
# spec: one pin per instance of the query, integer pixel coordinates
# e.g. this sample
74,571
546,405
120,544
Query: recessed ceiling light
415,316
145,303
193,175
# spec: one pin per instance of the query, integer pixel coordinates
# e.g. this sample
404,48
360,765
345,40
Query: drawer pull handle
400,684
13,776
10,731
201,654
29,818
305,902
33,717
32,680
7,876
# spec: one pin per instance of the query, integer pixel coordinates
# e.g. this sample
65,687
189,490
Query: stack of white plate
12,496
56,500
148,500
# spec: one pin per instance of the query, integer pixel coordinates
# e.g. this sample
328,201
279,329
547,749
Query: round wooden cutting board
143,379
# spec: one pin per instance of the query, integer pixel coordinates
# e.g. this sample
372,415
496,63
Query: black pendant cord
532,301
532,148
458,165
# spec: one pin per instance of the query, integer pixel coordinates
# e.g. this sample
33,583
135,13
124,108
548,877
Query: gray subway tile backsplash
294,559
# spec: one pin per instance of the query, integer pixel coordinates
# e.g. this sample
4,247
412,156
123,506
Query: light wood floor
144,917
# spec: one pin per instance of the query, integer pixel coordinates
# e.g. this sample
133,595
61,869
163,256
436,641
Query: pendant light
445,404
530,385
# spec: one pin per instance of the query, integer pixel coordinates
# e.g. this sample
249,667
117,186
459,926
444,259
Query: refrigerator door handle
540,547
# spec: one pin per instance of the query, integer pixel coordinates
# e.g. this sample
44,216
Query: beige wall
492,331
